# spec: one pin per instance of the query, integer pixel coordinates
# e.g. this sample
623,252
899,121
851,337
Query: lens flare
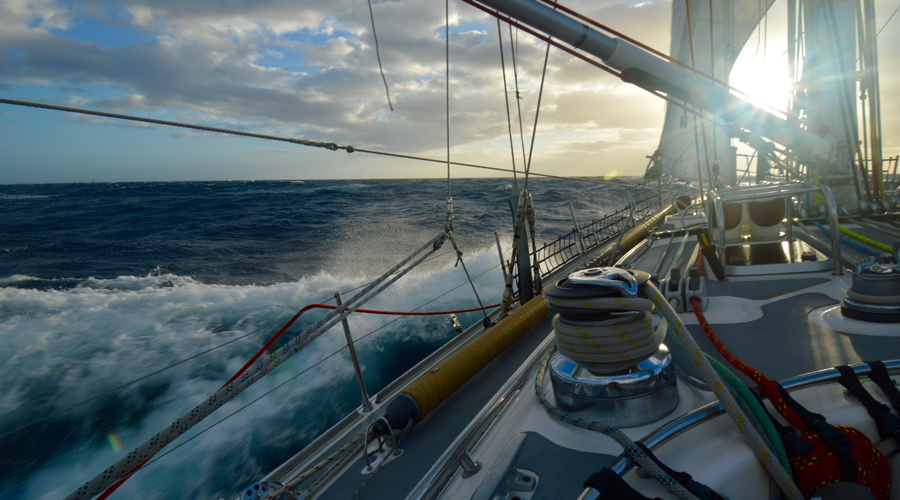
114,442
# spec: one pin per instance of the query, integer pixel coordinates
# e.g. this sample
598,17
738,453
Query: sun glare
761,70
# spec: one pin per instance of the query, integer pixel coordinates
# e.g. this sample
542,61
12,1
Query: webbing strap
790,436
887,423
613,487
702,491
880,376
835,439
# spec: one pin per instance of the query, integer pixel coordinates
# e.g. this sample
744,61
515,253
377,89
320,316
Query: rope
762,419
316,144
378,55
459,259
847,242
647,465
820,465
864,239
331,146
743,423
609,346
365,311
512,148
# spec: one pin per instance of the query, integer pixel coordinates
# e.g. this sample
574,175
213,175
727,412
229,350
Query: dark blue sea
102,284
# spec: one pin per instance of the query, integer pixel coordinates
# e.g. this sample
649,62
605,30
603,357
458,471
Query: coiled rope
819,466
612,345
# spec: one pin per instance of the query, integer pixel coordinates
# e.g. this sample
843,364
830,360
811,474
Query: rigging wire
537,114
447,83
512,148
889,20
331,146
514,49
687,5
173,365
378,55
310,368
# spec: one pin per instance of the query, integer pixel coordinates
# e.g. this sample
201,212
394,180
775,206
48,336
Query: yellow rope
864,239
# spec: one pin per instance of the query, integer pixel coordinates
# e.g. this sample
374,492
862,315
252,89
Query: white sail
718,30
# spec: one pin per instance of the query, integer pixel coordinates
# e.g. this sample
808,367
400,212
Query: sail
717,32
825,99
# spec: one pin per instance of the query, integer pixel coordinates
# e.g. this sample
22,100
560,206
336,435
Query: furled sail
711,42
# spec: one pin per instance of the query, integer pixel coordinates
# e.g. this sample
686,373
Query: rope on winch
614,345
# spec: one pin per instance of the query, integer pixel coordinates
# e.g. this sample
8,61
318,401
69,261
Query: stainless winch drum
640,394
875,292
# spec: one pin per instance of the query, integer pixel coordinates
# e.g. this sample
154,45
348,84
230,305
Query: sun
761,69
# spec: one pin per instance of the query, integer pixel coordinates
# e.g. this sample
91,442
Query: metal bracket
382,455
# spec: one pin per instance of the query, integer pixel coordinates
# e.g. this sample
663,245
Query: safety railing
555,254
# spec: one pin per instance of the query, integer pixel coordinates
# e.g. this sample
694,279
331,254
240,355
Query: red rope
768,388
109,491
327,306
820,466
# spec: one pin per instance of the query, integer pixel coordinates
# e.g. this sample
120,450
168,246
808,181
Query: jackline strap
835,439
887,423
702,491
880,376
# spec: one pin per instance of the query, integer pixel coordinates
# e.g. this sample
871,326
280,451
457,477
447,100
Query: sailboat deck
764,319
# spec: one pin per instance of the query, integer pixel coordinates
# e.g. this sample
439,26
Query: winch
875,292
611,364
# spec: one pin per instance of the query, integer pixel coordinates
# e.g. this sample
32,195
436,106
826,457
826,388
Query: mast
758,126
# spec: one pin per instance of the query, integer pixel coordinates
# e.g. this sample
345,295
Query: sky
308,69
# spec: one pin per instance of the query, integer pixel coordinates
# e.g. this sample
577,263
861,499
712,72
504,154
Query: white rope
646,464
609,346
712,379
140,455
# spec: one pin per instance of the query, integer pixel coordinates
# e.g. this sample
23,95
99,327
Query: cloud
308,69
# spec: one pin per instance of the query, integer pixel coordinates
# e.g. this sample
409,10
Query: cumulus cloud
308,69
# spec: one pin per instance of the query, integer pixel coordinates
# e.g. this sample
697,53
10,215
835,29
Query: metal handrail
441,472
709,411
555,254
768,191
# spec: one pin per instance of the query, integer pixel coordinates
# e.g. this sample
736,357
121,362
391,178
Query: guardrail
555,254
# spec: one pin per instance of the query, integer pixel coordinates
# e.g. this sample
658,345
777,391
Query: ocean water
103,284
